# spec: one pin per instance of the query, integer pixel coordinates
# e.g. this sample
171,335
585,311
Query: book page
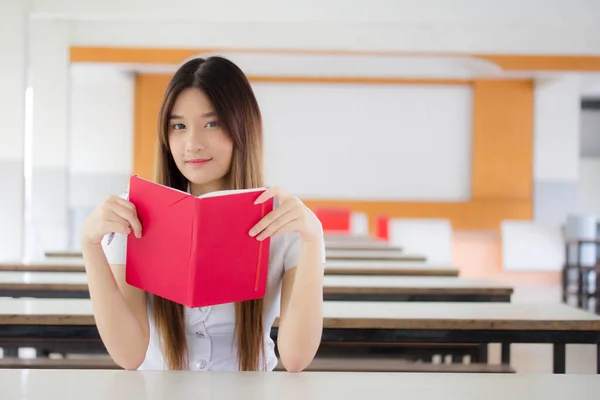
230,192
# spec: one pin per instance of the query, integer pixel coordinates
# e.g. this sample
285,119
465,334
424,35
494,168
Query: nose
196,139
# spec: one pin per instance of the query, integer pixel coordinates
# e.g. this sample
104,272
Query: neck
199,190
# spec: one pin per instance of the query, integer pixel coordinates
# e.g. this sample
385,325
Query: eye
212,124
178,127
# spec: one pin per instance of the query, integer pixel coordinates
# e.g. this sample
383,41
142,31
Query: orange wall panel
508,62
149,91
502,140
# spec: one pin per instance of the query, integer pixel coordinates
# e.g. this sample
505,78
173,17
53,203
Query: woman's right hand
115,214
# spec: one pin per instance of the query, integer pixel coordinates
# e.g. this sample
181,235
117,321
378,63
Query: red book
196,251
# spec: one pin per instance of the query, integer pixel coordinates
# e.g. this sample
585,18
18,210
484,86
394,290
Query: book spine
260,252
195,220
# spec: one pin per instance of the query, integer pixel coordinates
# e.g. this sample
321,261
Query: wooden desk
387,267
412,288
49,265
64,254
336,287
59,321
143,385
339,254
343,245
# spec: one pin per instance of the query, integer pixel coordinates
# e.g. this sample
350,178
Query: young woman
210,138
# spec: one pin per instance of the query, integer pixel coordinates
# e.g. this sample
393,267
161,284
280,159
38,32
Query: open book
196,251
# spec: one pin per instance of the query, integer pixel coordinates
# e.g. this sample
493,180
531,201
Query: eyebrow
207,115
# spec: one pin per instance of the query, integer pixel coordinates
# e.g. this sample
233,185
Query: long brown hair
236,107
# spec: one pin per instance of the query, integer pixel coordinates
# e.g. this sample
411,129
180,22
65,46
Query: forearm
121,332
300,333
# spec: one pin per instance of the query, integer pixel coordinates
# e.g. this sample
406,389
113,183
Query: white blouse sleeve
292,252
116,251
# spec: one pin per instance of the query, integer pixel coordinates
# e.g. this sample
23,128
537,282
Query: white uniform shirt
211,342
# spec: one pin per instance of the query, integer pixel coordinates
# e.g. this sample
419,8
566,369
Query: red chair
382,228
334,219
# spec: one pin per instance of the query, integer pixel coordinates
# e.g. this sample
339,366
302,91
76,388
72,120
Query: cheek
225,148
176,149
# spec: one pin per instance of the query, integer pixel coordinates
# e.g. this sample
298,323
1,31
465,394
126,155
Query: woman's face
201,147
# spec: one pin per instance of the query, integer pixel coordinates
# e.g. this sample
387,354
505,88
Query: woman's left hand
291,215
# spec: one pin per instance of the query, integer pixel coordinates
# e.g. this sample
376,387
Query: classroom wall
101,139
537,27
499,26
589,163
356,123
49,63
590,133
368,142
12,133
567,171
556,155
501,156
589,186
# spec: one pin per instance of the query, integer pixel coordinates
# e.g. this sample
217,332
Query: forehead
191,102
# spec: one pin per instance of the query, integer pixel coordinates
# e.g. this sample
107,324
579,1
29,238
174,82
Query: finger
270,193
266,195
118,227
269,218
131,217
123,202
278,224
291,226
114,217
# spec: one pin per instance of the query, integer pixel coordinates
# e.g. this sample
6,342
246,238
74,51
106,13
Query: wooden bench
319,364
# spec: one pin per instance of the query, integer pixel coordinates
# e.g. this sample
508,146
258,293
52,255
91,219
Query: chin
202,179
199,179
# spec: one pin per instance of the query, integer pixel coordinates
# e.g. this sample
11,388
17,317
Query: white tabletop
349,237
71,261
40,277
368,243
355,315
138,385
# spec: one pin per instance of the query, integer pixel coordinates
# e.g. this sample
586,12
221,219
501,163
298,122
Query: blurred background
471,127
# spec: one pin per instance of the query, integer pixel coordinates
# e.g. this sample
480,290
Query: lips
196,162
